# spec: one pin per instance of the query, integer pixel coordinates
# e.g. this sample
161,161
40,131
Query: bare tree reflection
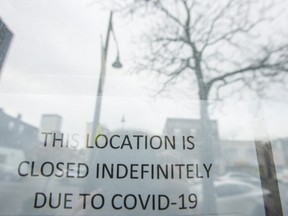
216,45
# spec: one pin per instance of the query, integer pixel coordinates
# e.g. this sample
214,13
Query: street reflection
132,176
64,149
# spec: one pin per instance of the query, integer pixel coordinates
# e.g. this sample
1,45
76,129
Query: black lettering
87,141
133,201
66,201
124,174
19,169
171,143
84,167
51,169
59,168
69,170
113,201
207,169
84,199
102,201
144,205
126,141
138,140
51,202
161,199
132,171
110,173
58,139
189,140
33,169
151,142
46,138
37,201
97,141
111,142
76,142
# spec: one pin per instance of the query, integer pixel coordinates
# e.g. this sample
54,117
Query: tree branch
266,66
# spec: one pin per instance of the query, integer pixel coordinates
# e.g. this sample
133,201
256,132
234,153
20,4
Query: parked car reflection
283,176
241,176
235,197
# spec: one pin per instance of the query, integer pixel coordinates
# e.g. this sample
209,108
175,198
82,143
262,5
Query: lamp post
97,111
116,64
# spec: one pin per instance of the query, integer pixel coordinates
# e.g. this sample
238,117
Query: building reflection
242,172
5,40
17,134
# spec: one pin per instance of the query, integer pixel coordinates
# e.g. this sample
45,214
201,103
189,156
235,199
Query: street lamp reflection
117,64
